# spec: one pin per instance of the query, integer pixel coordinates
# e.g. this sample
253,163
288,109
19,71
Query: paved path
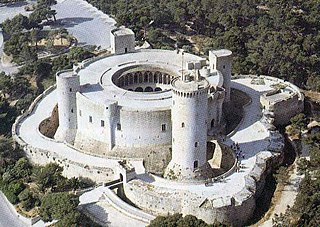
104,212
288,196
88,24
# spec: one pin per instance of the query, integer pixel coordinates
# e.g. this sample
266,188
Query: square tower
122,40
221,60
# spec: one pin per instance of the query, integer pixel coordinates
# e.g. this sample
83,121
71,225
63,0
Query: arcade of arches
145,81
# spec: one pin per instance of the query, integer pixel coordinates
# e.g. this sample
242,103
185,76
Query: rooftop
122,31
221,53
66,73
190,85
98,75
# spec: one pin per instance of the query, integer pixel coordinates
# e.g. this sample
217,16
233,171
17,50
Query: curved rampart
42,156
125,208
235,209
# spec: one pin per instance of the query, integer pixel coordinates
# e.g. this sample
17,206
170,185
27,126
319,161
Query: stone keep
122,41
221,60
189,126
68,84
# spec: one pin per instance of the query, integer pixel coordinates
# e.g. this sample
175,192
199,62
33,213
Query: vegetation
10,1
35,189
60,206
22,43
40,186
278,38
306,209
176,220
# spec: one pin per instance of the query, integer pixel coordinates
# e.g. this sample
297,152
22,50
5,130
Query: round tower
68,84
189,127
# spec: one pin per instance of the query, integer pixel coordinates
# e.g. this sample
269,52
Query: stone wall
43,157
232,210
282,110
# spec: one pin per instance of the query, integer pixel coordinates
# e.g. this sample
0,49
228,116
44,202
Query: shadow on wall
96,213
92,88
15,4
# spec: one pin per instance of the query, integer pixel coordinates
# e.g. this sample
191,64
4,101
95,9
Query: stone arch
139,89
145,77
130,78
150,76
121,81
160,78
140,77
135,79
212,123
155,78
148,89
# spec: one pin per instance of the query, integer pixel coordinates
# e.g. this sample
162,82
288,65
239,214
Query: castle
163,112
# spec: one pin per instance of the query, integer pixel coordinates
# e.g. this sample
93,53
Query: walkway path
88,24
105,213
288,196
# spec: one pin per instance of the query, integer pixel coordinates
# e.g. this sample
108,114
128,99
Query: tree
16,24
298,122
22,168
27,199
5,83
48,176
60,206
176,220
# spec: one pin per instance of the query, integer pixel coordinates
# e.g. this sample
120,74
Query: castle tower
189,126
221,60
68,84
122,40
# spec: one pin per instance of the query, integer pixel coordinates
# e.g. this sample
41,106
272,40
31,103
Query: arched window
196,144
195,164
182,125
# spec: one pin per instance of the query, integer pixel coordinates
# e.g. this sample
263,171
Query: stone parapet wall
125,208
235,209
282,109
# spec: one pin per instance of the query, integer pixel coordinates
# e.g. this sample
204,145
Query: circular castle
157,119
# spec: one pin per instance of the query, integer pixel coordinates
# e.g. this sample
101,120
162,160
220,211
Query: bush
60,206
27,199
176,220
11,197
